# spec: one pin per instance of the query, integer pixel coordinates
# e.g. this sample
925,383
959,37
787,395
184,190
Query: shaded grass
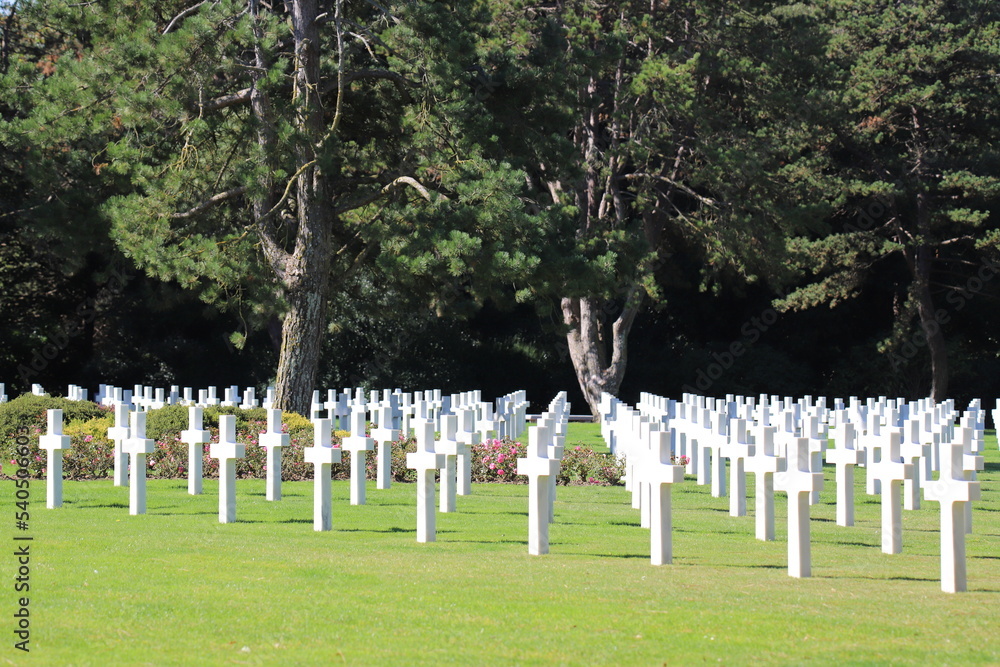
176,587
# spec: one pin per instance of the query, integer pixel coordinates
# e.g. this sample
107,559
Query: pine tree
266,155
910,104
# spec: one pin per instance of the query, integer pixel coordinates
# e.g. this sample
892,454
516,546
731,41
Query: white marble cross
452,449
358,444
469,436
426,462
195,436
249,399
818,442
971,462
661,475
138,446
799,482
764,464
915,451
384,435
54,442
322,455
227,450
890,471
845,456
737,450
119,433
718,438
273,440
538,467
872,442
953,491
557,448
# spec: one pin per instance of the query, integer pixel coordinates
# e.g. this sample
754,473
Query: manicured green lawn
176,587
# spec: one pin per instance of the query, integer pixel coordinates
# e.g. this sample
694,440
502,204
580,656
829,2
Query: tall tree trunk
301,344
304,274
591,333
921,267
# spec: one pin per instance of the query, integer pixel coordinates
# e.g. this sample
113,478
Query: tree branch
180,17
243,96
401,81
708,201
385,190
239,97
209,203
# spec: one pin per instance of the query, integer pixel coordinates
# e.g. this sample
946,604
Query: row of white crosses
152,398
895,450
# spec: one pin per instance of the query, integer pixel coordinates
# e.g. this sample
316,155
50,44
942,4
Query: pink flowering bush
496,460
582,465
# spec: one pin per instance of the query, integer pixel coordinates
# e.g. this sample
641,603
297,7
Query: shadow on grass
393,529
494,512
521,542
591,554
98,505
838,543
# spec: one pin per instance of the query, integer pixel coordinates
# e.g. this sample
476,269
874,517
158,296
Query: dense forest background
823,200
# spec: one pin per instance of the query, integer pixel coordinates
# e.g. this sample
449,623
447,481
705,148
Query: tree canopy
323,171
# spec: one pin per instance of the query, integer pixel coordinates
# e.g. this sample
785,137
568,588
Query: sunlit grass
176,587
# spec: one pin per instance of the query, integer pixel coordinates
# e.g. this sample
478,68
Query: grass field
175,587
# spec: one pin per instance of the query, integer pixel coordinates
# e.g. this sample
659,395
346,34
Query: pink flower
500,458
500,471
88,438
493,466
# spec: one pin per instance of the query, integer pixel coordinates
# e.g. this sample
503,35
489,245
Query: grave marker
54,442
468,436
358,444
119,433
451,448
273,439
538,467
227,450
845,455
663,474
799,482
737,450
384,435
426,462
137,447
764,464
918,453
322,455
890,471
195,436
953,491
